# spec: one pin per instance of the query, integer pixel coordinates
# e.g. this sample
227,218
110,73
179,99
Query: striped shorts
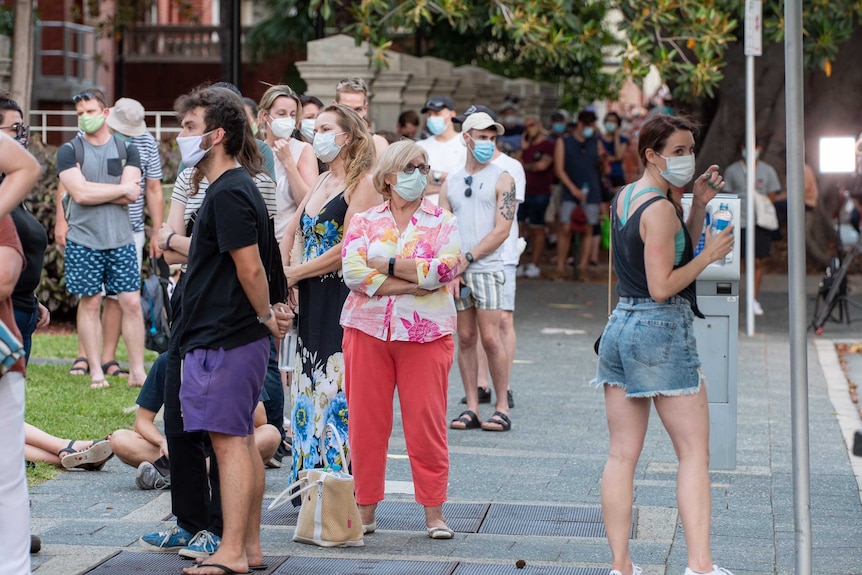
486,291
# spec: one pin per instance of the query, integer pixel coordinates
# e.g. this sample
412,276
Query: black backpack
155,305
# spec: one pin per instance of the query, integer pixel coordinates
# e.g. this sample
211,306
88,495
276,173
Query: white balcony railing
44,122
177,43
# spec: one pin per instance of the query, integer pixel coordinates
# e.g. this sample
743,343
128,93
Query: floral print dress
317,394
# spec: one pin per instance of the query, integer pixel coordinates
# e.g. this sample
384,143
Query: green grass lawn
65,406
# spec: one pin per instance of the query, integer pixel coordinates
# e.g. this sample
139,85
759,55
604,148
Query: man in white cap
482,196
446,151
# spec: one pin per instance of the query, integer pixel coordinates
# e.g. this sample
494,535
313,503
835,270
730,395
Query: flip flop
499,418
261,567
467,420
440,532
224,569
92,458
80,370
118,372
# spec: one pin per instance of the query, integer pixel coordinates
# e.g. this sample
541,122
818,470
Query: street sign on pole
753,28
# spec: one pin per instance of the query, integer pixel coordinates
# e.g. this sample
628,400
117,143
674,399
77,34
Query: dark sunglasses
423,169
469,191
86,96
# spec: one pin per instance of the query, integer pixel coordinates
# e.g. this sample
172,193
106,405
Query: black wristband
392,266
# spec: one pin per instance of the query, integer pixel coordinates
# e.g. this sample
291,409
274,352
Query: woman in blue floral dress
342,140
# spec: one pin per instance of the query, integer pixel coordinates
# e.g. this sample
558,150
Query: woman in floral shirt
398,322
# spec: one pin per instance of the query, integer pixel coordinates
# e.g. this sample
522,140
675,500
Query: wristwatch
436,175
469,257
266,318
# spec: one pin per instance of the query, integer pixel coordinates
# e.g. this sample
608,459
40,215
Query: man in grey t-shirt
100,246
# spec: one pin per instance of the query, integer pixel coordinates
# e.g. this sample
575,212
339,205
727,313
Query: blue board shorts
648,349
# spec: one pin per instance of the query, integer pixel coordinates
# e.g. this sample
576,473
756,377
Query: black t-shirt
216,311
34,240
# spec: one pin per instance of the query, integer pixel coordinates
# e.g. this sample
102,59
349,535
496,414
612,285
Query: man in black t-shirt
227,318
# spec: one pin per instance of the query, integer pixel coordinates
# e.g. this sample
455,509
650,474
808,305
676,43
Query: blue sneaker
202,545
168,541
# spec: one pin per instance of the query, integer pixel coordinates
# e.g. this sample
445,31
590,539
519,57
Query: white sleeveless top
284,202
476,214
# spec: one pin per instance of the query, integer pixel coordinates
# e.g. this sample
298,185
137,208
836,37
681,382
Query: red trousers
372,370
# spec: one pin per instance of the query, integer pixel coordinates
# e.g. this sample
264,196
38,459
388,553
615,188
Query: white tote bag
765,215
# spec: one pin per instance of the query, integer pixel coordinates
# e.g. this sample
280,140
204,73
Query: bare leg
266,436
468,361
366,513
758,275
509,339
133,335
132,449
489,330
627,425
686,419
253,551
112,317
90,333
482,370
537,235
564,241
434,517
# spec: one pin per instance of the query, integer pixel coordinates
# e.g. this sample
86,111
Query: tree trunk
22,61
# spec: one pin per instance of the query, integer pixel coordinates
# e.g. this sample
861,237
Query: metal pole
749,194
793,92
236,41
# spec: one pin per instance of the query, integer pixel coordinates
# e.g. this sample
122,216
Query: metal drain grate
546,520
128,562
328,566
396,516
485,569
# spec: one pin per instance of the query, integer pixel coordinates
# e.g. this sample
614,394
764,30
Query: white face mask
325,147
307,129
283,127
679,171
410,186
190,149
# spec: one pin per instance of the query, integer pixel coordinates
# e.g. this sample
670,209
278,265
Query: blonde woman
342,140
398,324
279,115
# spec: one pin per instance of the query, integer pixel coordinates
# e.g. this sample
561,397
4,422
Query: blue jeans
26,322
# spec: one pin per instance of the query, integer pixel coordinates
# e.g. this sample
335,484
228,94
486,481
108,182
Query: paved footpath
553,457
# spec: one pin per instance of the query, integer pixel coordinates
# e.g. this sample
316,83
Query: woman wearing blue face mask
647,354
398,324
343,141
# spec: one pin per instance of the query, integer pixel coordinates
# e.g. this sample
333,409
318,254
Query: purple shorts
220,388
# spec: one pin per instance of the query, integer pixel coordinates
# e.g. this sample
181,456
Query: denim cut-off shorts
648,349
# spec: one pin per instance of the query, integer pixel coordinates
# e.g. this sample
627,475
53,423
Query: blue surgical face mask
588,132
437,125
307,129
325,147
558,127
190,149
410,186
611,127
679,171
483,150
756,155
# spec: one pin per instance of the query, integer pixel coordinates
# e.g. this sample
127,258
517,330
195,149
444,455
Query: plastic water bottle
287,352
720,220
702,241
586,189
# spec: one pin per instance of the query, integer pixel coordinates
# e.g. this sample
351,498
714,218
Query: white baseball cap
481,121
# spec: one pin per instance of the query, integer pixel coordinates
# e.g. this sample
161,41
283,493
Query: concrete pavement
553,457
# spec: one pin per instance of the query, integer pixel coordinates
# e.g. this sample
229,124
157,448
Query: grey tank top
477,213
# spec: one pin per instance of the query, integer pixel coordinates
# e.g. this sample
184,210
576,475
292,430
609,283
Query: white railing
160,124
76,50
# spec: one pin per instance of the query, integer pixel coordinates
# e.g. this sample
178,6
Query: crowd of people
378,248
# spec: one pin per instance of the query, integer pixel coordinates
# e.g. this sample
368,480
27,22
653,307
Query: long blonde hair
359,152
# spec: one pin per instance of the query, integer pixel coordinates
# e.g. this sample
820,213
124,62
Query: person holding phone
398,259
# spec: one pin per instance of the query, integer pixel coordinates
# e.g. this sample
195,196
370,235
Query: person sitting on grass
43,447
144,444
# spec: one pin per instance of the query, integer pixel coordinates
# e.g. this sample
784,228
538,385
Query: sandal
467,420
99,384
92,458
118,371
499,418
80,369
439,532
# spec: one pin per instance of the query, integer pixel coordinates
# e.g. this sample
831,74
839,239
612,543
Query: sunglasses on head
423,169
469,191
86,96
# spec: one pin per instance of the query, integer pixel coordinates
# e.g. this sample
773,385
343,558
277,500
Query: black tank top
628,250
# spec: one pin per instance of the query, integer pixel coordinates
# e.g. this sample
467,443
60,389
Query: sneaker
510,398
484,396
635,571
168,541
275,461
755,307
520,272
202,545
285,449
148,477
716,570
532,271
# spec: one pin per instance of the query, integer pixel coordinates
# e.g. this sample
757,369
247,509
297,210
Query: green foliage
7,21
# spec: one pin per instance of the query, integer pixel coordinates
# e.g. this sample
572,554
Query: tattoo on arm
509,203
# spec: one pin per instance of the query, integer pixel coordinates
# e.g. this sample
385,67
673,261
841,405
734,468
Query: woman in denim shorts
648,352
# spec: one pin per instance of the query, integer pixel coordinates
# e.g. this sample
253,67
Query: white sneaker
533,271
755,306
519,272
635,571
716,570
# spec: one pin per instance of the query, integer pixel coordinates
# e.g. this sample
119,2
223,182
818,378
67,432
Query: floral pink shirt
432,240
